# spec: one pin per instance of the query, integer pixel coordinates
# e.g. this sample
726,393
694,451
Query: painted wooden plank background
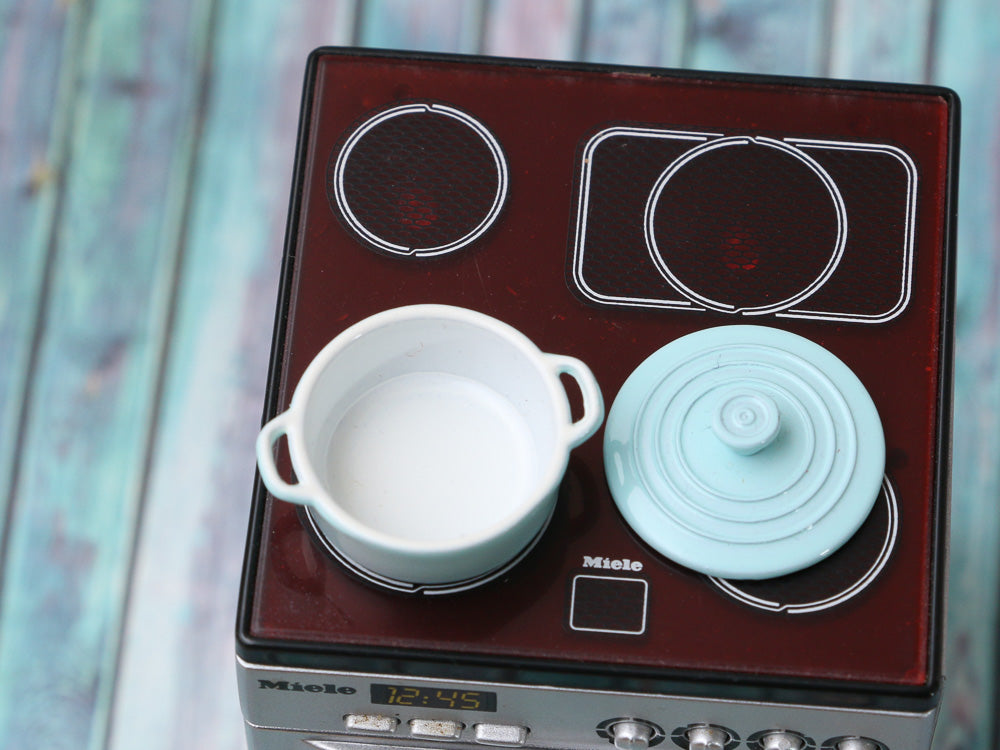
439,26
967,57
780,36
190,549
527,28
882,40
635,32
37,43
145,158
91,396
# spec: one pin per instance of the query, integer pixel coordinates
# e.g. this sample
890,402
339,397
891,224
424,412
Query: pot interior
436,431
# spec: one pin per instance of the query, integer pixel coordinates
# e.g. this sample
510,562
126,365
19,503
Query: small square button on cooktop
608,604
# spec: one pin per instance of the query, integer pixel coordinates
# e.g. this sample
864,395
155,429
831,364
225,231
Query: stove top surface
559,200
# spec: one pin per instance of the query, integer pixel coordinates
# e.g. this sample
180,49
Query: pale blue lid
744,452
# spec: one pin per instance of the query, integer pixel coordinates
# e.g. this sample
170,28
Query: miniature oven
606,213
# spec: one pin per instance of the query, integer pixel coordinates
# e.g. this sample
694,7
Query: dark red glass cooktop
605,213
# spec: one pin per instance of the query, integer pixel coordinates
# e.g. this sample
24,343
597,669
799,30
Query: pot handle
269,435
593,402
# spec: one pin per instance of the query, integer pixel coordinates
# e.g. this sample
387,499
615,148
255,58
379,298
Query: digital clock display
433,697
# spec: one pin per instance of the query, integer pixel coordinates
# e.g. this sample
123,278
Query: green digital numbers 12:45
433,697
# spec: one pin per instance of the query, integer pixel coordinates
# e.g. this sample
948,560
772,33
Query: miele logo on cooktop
608,563
298,687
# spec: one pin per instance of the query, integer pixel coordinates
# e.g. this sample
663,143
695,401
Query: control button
434,729
505,735
857,743
370,723
781,741
707,738
608,604
632,735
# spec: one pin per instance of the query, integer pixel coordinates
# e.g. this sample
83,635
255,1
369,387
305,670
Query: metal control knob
707,738
857,743
781,741
632,735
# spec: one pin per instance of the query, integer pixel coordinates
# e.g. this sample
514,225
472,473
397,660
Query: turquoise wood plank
967,58
636,32
527,28
90,408
750,36
432,25
176,683
38,44
867,43
884,40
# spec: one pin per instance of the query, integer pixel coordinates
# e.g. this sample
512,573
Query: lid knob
746,419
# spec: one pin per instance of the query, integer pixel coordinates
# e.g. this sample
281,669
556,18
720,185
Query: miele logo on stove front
606,563
298,687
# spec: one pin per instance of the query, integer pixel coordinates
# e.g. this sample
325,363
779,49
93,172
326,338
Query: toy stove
606,213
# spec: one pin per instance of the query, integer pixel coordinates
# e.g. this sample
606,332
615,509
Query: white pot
430,441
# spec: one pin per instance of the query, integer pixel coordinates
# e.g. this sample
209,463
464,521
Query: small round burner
745,225
418,180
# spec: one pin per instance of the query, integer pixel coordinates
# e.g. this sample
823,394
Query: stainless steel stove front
294,709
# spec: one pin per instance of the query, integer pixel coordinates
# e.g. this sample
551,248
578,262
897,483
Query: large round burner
837,579
747,225
418,180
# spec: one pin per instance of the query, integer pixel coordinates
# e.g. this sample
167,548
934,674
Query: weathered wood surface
967,58
178,651
91,397
145,158
36,41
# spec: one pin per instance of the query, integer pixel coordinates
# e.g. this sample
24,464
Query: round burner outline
337,189
649,232
731,588
315,525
